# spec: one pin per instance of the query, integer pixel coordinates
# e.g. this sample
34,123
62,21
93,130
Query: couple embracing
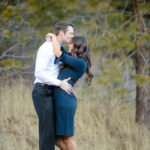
56,72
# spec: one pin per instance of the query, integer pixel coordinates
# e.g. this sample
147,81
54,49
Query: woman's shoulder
83,63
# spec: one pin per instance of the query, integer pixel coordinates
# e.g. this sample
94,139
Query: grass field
98,126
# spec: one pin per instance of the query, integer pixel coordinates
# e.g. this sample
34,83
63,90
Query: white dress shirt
45,69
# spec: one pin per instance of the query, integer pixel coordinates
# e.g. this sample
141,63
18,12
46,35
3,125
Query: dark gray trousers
44,105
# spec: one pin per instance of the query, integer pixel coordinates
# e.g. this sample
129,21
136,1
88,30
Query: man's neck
59,40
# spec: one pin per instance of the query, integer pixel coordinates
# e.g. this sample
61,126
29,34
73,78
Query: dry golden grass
98,126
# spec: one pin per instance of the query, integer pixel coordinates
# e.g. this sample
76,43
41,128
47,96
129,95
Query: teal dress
66,104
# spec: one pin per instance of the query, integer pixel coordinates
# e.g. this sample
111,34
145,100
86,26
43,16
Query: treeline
118,33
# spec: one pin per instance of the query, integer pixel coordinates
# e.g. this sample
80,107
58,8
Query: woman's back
66,104
75,69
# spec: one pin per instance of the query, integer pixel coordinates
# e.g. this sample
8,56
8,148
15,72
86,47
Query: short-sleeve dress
66,104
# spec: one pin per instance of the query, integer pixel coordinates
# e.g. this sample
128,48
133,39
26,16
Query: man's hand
64,85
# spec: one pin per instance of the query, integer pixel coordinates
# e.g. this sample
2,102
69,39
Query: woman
75,64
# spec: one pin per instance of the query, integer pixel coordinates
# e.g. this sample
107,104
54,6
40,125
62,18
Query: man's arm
44,55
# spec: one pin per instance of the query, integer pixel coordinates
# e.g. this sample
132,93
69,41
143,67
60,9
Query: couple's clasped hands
64,85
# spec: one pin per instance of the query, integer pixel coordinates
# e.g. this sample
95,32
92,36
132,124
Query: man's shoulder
45,48
46,45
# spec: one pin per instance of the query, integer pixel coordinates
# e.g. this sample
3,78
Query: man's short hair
62,26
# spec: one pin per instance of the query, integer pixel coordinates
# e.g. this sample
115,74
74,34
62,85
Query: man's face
70,45
68,35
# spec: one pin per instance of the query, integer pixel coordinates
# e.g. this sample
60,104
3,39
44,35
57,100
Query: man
46,73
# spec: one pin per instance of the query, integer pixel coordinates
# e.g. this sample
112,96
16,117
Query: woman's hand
50,36
56,47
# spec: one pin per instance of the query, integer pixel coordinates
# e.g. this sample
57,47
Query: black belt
44,85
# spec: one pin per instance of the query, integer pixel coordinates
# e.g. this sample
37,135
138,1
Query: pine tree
142,69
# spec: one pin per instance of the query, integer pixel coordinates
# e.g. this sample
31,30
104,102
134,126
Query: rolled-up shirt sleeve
44,56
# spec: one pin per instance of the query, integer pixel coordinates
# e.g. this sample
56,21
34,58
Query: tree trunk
142,92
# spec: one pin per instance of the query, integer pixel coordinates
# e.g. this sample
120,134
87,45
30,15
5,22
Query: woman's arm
56,46
77,64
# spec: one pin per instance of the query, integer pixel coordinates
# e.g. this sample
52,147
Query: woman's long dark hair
81,50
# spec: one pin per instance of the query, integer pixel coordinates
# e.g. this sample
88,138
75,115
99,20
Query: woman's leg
60,143
70,142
